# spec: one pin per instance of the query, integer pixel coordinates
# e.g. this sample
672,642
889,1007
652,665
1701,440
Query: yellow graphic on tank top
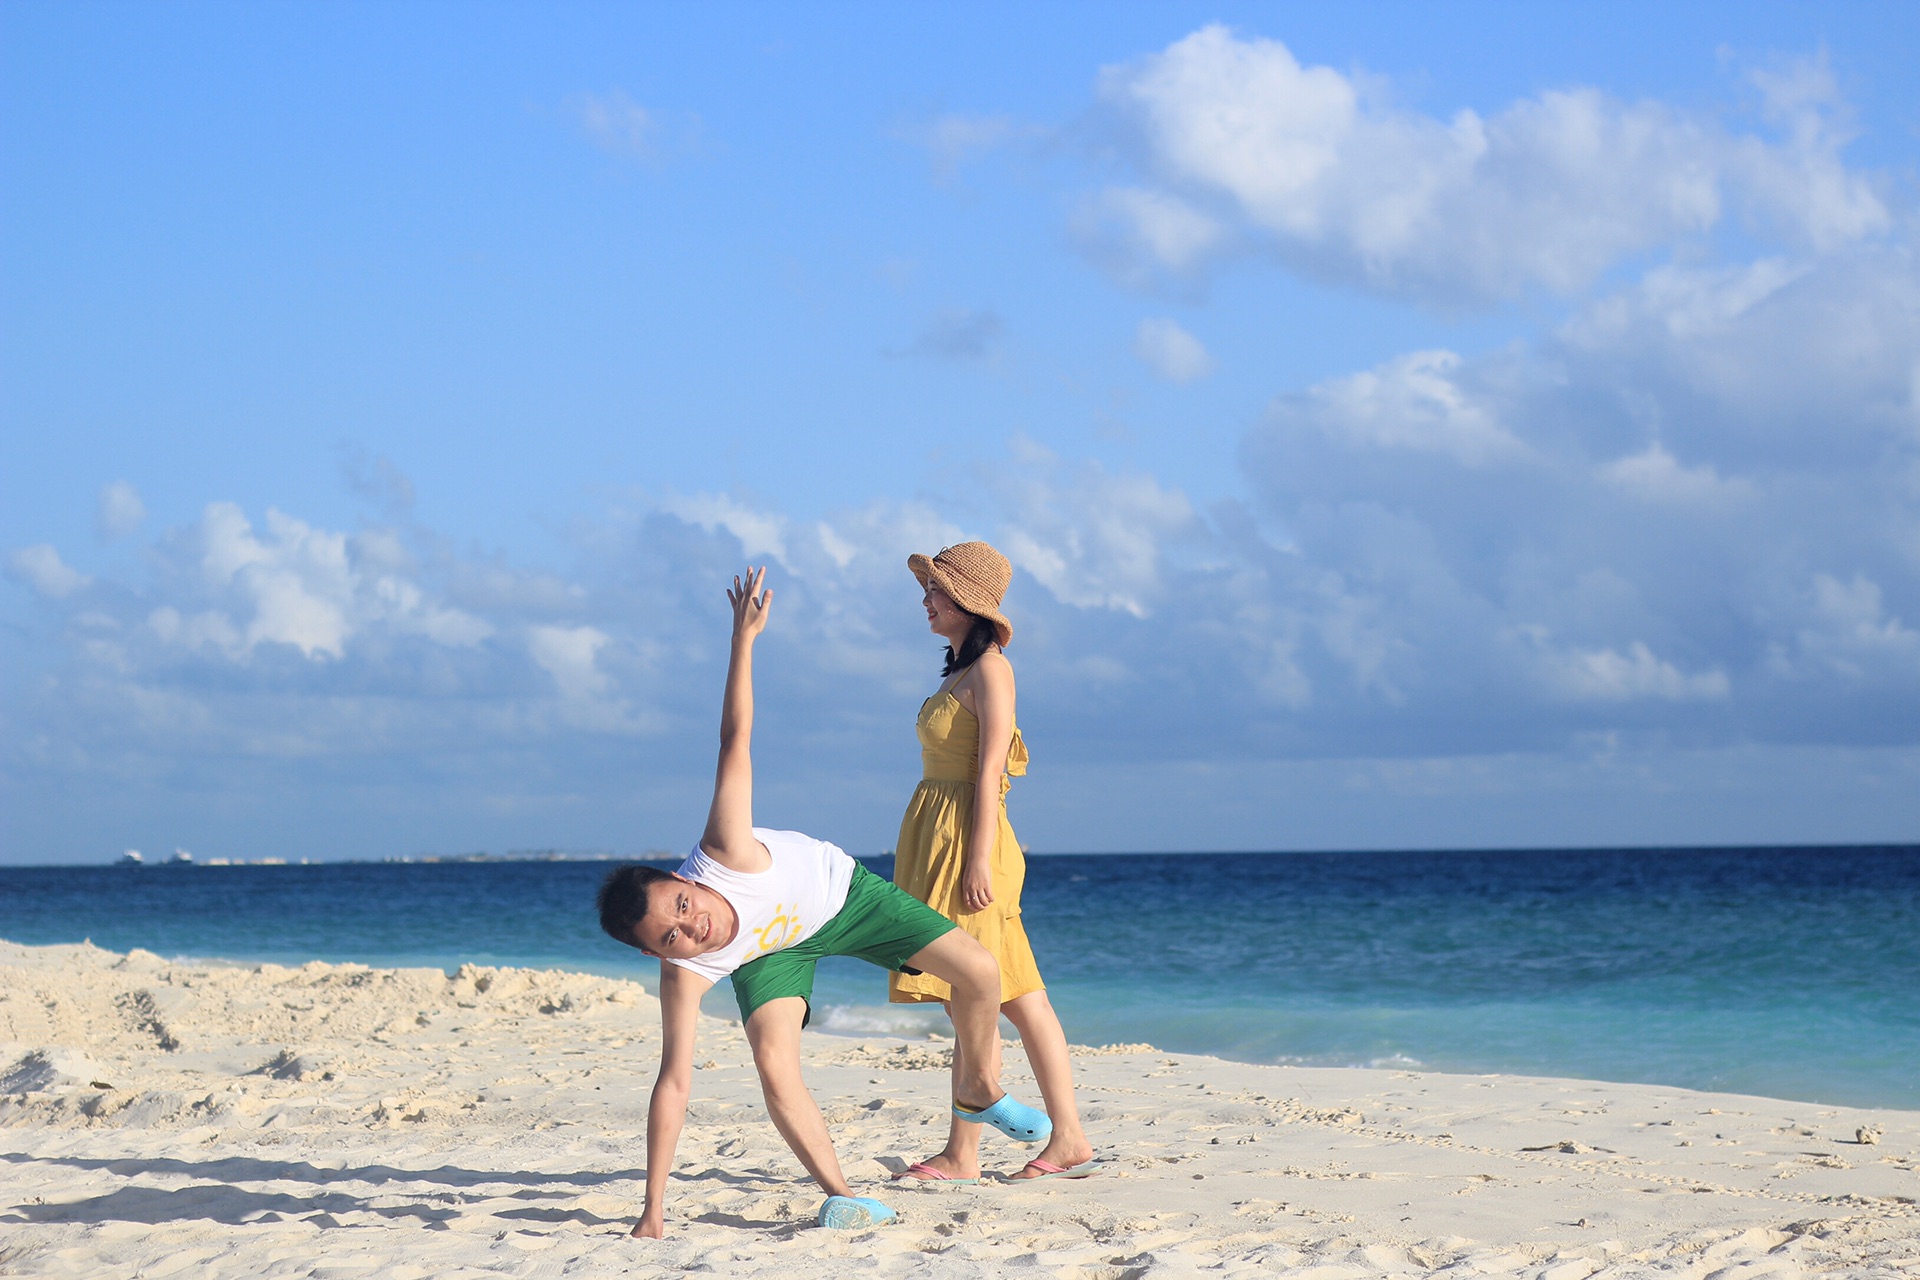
781,931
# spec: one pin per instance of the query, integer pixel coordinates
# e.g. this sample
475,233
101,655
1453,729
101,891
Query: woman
957,852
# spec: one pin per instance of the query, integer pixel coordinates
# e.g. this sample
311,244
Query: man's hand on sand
750,602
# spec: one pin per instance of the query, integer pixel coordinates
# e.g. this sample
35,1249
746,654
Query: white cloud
1657,476
1549,192
41,568
308,588
1413,402
762,535
1243,117
1686,304
1171,351
209,628
1848,631
1279,679
1094,541
617,123
119,511
1607,675
406,607
1672,461
1134,230
953,138
1789,364
1803,182
567,654
297,582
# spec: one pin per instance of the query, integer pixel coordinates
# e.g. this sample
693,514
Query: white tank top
787,903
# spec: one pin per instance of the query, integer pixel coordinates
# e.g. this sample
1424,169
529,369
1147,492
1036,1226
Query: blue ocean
1792,973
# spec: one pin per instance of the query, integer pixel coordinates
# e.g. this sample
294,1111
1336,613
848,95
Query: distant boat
180,858
131,858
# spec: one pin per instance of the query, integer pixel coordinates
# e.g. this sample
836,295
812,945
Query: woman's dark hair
978,641
623,899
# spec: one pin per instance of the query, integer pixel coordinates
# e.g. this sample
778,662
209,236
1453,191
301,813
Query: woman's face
943,615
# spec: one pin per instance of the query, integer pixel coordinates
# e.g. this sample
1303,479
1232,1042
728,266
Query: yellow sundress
933,843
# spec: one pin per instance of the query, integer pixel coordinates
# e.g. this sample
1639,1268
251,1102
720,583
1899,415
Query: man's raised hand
750,602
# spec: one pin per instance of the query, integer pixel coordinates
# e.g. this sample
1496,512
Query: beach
162,1118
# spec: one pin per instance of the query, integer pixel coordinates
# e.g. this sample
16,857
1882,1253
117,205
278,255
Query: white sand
332,1120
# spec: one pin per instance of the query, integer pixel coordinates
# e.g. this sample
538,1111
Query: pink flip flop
1048,1169
927,1173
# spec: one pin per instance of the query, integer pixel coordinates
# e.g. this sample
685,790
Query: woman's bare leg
1046,1044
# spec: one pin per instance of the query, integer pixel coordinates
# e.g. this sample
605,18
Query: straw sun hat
975,576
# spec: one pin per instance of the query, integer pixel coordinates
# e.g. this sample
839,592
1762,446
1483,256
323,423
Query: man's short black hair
623,899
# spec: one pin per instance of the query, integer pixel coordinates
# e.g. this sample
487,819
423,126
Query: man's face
683,920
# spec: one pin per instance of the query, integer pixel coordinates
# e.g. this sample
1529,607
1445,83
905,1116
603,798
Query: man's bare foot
944,1167
1061,1151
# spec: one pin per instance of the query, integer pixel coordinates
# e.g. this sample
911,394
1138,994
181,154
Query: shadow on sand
215,1197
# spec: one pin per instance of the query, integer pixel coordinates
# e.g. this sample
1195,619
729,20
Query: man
762,906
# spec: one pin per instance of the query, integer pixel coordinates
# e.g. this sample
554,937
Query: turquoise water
1792,973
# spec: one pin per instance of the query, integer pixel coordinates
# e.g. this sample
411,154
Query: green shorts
880,923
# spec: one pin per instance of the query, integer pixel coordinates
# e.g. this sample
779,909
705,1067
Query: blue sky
1412,426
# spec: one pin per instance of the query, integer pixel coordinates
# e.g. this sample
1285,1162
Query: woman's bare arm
991,684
